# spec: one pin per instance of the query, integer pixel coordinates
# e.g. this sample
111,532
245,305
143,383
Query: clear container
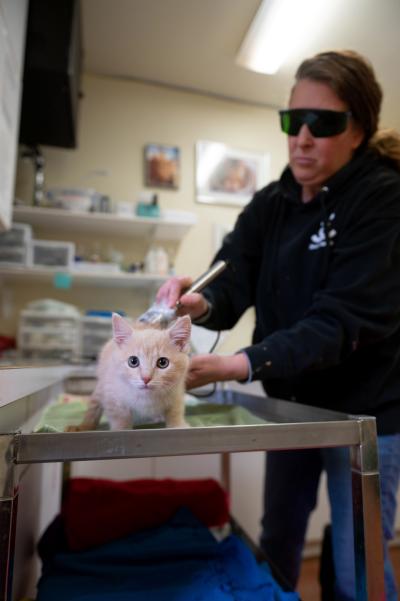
13,255
51,253
95,332
48,335
20,234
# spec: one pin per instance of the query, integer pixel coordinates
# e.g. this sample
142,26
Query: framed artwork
161,166
228,176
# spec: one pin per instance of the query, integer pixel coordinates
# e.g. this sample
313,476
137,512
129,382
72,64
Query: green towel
60,414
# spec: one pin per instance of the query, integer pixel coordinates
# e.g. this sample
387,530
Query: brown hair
352,78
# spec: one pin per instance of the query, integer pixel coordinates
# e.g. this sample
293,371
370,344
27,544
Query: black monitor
52,72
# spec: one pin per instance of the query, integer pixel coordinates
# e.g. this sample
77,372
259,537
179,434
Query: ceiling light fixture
278,28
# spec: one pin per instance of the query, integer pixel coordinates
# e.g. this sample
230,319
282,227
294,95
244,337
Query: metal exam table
25,391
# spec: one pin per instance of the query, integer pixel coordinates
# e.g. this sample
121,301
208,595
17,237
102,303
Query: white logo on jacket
318,240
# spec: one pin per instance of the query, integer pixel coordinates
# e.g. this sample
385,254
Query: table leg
368,544
8,514
225,466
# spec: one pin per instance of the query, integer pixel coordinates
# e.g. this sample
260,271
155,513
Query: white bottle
162,261
150,261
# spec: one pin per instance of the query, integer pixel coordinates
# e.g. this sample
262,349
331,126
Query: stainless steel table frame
287,426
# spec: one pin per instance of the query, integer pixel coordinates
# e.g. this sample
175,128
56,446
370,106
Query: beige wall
117,118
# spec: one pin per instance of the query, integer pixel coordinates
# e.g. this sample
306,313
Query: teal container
147,210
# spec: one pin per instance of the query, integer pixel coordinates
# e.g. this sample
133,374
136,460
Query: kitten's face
151,359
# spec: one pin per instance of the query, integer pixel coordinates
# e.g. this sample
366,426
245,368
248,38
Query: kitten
141,371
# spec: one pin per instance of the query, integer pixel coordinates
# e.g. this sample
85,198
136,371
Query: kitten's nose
146,379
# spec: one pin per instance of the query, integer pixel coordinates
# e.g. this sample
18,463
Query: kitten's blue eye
133,361
162,362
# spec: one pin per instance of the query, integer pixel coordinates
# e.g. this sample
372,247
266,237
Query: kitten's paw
178,424
121,426
78,428
72,429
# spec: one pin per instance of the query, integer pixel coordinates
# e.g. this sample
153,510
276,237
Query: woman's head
341,89
352,79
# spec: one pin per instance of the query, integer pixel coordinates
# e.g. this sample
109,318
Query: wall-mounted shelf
172,225
47,275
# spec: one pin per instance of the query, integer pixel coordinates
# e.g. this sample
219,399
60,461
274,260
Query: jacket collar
359,164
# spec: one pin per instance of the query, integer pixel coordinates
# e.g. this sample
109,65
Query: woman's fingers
172,290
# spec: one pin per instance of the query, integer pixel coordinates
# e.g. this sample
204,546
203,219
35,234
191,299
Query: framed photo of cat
161,166
228,176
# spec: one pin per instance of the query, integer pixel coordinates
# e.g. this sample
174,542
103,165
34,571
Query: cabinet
286,426
12,44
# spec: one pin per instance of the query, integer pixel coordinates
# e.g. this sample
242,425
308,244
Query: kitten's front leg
119,418
175,417
91,418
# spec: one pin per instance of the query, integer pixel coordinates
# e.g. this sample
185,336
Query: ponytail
386,143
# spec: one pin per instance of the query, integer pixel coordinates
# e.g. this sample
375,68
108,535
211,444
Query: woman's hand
172,291
204,369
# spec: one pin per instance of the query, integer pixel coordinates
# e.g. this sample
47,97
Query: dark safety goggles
321,123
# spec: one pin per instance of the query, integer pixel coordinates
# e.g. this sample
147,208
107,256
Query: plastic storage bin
48,336
13,255
14,245
95,332
51,253
20,234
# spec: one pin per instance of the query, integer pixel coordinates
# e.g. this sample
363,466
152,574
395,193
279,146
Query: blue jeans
291,487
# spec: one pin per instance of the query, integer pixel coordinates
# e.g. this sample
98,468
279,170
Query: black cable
204,395
215,343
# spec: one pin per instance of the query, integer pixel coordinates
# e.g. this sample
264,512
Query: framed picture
228,176
161,166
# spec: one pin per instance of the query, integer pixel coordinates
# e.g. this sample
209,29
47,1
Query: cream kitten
141,372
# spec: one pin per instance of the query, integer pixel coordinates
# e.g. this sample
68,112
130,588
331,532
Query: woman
317,254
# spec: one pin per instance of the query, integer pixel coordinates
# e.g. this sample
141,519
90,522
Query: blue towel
179,561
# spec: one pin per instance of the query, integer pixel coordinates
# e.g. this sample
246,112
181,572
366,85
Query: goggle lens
321,123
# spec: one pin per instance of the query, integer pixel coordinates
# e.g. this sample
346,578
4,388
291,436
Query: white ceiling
192,44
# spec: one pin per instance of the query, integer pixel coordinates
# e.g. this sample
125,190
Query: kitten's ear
179,332
121,329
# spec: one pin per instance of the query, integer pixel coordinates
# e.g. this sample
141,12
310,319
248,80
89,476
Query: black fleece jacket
327,329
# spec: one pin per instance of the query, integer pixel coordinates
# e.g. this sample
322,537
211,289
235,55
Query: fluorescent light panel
279,27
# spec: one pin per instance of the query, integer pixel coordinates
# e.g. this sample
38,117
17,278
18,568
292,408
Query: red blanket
96,511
